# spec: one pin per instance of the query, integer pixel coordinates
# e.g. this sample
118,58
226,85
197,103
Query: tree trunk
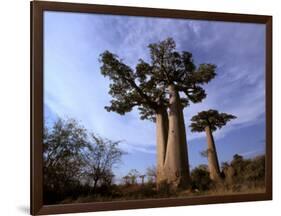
176,161
95,184
212,156
185,161
162,126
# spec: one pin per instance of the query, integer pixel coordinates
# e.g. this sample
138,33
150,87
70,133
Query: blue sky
74,87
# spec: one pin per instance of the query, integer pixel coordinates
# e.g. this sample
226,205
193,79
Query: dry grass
221,191
137,192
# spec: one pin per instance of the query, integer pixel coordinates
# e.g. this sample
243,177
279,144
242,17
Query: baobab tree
133,175
209,121
154,88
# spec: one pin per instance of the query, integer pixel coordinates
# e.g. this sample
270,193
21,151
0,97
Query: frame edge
36,112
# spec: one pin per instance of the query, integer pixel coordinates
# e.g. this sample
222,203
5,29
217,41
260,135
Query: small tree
63,146
151,174
209,121
201,178
100,159
142,178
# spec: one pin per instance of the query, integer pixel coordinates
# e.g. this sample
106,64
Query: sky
75,88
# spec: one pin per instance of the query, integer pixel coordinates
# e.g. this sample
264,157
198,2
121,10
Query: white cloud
251,153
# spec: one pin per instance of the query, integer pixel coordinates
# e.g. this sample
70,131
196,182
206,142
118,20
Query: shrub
200,177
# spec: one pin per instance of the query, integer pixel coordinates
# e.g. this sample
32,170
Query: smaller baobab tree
133,175
209,121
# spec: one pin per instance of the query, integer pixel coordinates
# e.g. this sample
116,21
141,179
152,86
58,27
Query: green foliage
75,162
244,174
63,145
146,86
200,177
129,88
101,158
211,118
239,175
255,171
248,170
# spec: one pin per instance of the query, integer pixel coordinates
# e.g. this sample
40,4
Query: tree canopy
72,156
63,145
104,155
146,86
211,118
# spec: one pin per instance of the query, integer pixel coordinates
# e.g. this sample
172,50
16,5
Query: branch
150,103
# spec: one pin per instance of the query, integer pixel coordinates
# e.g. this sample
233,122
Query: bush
200,178
245,173
248,171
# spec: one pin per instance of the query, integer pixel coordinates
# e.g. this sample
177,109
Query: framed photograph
139,107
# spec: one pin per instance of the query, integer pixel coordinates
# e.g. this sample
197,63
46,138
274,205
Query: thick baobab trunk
176,165
162,126
212,156
185,161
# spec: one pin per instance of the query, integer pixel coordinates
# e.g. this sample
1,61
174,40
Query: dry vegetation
71,173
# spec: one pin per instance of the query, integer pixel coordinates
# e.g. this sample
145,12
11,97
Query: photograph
150,108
